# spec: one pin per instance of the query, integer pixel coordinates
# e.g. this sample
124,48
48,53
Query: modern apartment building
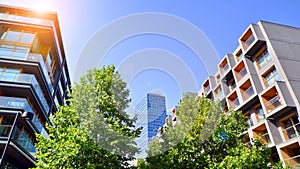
34,79
261,78
151,114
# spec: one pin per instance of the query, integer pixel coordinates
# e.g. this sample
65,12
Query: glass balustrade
241,74
18,136
219,95
272,104
28,79
23,140
234,103
294,162
247,93
22,103
6,52
249,41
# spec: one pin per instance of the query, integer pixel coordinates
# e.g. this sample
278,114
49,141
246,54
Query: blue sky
222,22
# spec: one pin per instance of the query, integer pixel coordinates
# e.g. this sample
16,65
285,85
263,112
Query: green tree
206,138
94,131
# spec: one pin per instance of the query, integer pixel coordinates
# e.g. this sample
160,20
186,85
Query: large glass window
23,37
12,36
27,37
259,113
9,74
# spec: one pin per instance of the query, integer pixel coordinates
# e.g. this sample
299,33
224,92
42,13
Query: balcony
207,89
6,53
26,79
241,74
235,103
22,103
224,69
219,95
272,104
292,131
293,162
18,136
247,93
270,80
248,41
262,133
266,138
18,18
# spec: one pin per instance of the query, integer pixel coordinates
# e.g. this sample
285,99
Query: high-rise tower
34,79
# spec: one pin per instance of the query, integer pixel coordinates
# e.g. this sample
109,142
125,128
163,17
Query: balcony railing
271,80
247,93
292,131
18,18
7,53
266,138
18,136
235,103
219,95
272,104
224,68
27,79
241,74
249,41
23,140
294,162
22,103
207,89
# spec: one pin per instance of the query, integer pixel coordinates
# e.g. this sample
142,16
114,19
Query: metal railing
247,93
272,104
241,74
292,131
235,103
28,79
9,54
294,162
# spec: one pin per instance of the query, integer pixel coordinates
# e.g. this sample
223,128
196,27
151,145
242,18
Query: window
259,113
291,127
23,37
12,36
27,37
263,58
271,77
9,74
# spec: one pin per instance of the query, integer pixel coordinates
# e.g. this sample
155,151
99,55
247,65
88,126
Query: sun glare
40,6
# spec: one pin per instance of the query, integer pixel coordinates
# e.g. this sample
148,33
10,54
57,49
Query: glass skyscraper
151,114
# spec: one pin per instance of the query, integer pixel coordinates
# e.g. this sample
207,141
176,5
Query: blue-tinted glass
12,36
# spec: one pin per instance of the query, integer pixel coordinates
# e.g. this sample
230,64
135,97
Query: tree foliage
93,131
209,139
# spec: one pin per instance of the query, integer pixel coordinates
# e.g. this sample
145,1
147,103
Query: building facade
34,79
261,78
151,114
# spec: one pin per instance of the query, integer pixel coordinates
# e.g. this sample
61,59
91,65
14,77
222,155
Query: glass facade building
151,115
34,78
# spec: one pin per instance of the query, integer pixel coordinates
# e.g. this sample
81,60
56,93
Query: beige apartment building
261,78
